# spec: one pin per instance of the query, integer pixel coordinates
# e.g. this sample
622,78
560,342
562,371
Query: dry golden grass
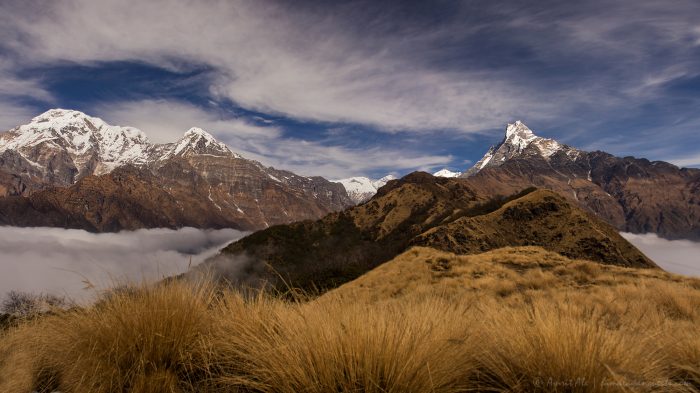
511,320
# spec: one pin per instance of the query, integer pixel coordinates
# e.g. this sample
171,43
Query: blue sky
365,87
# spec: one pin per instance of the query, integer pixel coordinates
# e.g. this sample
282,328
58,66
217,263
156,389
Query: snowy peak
519,135
446,173
69,144
59,119
361,189
92,145
381,182
197,133
518,127
196,141
520,141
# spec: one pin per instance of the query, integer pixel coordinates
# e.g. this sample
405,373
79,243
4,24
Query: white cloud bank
57,261
675,256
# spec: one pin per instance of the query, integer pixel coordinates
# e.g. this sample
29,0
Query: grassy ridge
519,319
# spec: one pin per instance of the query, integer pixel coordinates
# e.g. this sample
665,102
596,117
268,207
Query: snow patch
446,173
361,188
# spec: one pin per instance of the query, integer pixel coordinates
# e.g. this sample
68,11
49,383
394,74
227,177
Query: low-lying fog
675,256
63,261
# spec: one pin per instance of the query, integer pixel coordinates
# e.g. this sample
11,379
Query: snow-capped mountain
196,141
63,162
634,195
361,188
71,145
446,173
520,141
62,146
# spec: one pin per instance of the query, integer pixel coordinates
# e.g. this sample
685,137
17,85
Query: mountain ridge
406,212
52,169
633,194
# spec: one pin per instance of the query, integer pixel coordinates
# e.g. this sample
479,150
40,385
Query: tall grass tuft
150,339
561,326
335,346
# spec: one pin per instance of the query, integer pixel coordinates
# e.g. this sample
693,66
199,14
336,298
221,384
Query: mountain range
632,194
68,169
72,170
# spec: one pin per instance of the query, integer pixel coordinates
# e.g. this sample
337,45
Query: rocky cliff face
67,169
634,195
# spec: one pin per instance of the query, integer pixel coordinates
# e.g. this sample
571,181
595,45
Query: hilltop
419,209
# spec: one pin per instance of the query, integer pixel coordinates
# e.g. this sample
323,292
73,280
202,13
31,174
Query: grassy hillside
540,218
510,320
419,209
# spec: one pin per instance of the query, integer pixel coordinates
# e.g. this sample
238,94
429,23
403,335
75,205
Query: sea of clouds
675,256
78,264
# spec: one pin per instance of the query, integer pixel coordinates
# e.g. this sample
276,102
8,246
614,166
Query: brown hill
418,209
422,272
540,218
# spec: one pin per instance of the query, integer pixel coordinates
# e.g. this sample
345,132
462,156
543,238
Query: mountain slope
417,209
634,195
124,199
422,272
61,162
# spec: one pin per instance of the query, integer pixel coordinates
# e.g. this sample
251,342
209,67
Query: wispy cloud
687,161
15,89
307,64
398,67
57,261
336,162
11,112
166,121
